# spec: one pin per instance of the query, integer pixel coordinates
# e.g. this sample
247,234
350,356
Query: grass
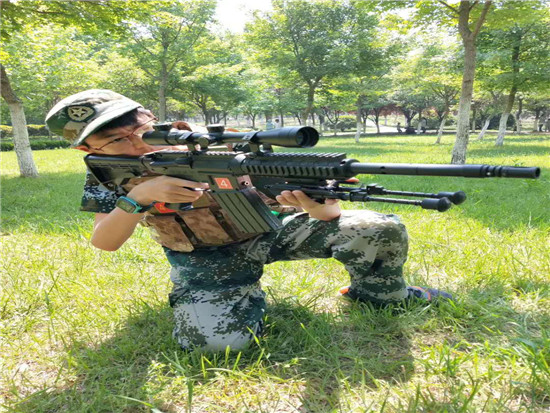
89,331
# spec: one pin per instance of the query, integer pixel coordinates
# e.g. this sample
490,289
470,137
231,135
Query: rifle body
233,176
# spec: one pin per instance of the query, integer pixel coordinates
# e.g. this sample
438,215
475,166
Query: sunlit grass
88,331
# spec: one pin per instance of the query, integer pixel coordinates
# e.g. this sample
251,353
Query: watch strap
138,208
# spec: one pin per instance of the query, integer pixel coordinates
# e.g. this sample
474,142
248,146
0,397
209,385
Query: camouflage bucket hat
78,116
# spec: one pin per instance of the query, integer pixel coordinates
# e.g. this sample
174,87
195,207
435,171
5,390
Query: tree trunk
504,117
310,99
463,118
441,126
21,143
502,128
518,115
474,115
419,124
513,91
358,120
162,93
377,120
205,114
537,117
468,74
484,129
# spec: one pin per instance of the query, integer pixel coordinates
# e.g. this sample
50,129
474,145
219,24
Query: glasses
138,131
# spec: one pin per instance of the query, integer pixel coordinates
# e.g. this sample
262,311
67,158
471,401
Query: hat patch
80,113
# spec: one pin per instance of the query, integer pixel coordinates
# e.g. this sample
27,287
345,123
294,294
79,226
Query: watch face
126,205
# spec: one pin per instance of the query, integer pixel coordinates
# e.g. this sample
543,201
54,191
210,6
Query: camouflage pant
217,298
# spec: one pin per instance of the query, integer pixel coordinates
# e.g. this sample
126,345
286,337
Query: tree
214,89
469,18
376,53
440,63
488,103
48,63
165,41
516,57
309,39
93,16
335,101
539,104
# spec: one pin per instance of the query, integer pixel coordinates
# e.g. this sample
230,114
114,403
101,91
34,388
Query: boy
217,298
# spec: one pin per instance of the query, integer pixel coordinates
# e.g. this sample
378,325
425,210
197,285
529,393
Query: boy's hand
323,212
181,125
167,189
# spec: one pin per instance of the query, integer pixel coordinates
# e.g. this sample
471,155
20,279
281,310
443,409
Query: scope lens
306,137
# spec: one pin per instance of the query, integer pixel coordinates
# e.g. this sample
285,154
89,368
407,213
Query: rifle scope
289,137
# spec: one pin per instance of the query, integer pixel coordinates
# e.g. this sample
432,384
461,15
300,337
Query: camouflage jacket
203,224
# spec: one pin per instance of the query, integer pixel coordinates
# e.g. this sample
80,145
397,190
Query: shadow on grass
513,149
318,349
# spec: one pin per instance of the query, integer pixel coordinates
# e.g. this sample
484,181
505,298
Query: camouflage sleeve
96,198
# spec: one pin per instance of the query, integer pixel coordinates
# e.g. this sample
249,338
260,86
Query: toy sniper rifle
233,174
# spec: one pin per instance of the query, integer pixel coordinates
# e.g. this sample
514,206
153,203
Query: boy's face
124,140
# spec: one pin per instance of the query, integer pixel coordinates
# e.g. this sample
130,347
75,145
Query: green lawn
89,331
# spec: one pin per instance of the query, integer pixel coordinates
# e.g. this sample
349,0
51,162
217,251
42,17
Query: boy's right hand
167,189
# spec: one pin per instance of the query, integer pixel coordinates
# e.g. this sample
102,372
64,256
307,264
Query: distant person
269,125
399,130
277,123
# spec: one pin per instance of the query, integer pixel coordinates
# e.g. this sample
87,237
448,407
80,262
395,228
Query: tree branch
455,11
482,18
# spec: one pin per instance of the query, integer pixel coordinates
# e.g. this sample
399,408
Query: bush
6,146
37,144
37,130
5,131
33,130
344,122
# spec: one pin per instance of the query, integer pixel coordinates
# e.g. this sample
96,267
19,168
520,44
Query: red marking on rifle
223,183
162,209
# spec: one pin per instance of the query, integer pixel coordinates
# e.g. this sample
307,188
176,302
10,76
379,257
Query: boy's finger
304,200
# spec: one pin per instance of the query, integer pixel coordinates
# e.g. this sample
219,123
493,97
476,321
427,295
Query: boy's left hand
323,212
181,125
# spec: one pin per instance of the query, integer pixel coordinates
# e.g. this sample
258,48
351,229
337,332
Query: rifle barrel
468,171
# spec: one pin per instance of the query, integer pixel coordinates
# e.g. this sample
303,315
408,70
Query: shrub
6,146
5,131
33,130
37,130
37,144
344,122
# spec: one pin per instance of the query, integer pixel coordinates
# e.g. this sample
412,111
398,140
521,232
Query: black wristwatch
132,207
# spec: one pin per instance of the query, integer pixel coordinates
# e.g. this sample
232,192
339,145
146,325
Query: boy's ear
83,148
